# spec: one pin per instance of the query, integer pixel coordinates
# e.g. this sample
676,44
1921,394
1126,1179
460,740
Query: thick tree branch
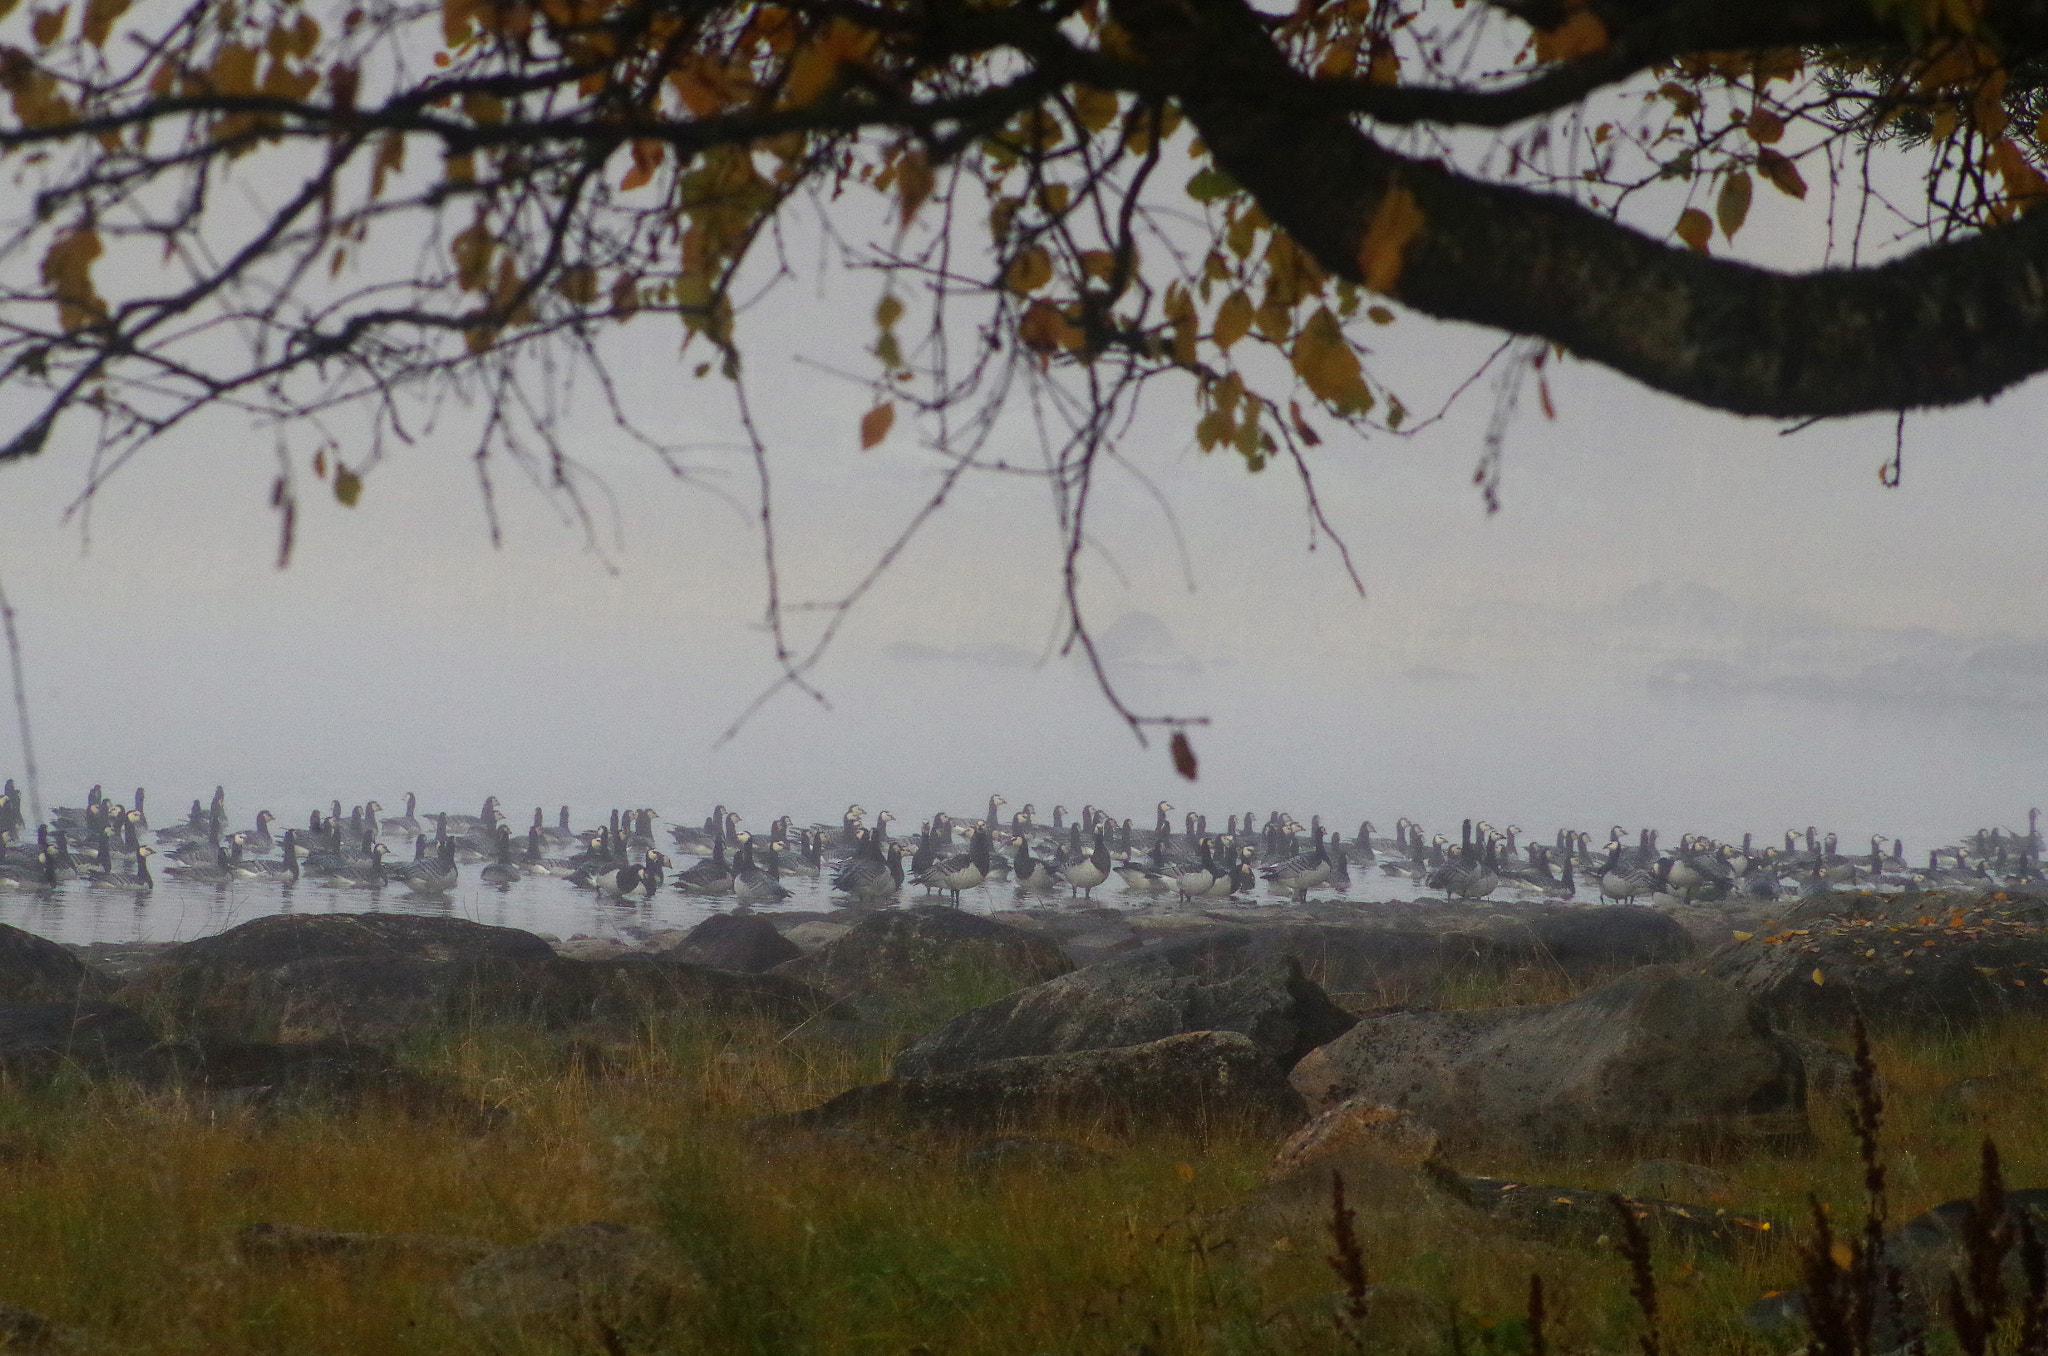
1946,324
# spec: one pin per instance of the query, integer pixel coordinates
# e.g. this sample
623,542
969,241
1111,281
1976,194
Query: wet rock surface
1194,1081
904,950
1661,1054
36,970
747,943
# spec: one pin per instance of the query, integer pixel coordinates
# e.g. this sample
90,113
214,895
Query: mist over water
1679,620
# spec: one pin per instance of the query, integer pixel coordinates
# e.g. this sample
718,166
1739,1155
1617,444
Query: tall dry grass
118,1211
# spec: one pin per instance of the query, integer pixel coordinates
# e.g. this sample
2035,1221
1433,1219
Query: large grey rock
1660,1054
899,951
745,942
1202,1080
1195,984
590,1287
373,977
39,1039
1939,958
36,970
308,977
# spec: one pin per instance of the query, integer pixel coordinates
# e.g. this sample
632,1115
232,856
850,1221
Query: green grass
118,1211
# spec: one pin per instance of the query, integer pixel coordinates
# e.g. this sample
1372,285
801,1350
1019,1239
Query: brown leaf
1396,221
1045,329
1732,206
1783,174
876,423
1764,126
99,20
1183,754
1029,271
1695,229
1302,428
1233,320
348,486
1581,35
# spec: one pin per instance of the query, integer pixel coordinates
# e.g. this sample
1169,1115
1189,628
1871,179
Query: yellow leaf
1817,975
348,486
1783,174
1324,360
234,70
1185,1171
1233,320
1695,229
915,180
1743,936
876,423
1379,315
1094,108
1842,1254
67,270
48,25
1987,110
1732,206
888,311
99,20
1581,35
1395,222
1029,271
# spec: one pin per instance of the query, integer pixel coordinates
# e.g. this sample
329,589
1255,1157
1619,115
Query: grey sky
1678,618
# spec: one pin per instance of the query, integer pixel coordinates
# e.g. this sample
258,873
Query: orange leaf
1044,329
1395,222
876,423
1695,229
1183,763
1581,35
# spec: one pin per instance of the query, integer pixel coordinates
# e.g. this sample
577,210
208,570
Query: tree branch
1946,324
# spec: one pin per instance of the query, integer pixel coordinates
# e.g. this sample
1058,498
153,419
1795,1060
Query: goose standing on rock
1085,873
1624,884
871,875
964,870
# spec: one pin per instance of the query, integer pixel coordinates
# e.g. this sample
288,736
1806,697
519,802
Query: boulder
1938,958
285,1244
595,1287
1201,1080
633,987
927,946
361,978
39,1039
307,977
1660,1054
745,942
1589,940
1195,984
36,970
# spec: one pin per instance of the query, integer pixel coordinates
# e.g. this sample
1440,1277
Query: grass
118,1209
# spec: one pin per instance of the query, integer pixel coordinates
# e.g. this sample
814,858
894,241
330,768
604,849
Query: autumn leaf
1233,320
1695,229
1783,174
1029,271
67,271
348,486
1183,763
915,180
1581,35
876,423
99,20
1045,329
1327,366
1395,222
1732,206
1765,127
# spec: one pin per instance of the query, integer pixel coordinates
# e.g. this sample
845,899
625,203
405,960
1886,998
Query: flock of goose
110,845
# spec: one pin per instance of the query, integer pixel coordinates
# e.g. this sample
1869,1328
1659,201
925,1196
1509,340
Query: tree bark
1945,324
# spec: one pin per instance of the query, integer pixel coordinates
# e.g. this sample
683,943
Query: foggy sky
1678,618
